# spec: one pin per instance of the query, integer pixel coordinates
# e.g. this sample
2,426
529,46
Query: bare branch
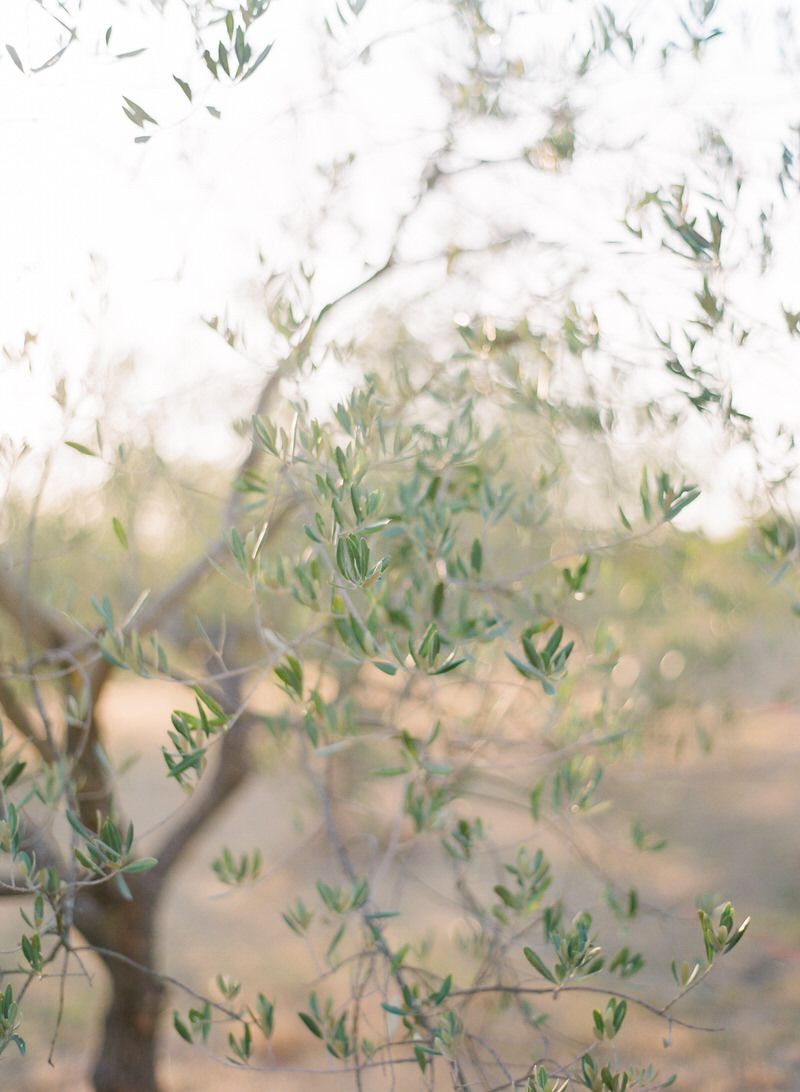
46,626
367,911
18,716
156,610
120,957
523,991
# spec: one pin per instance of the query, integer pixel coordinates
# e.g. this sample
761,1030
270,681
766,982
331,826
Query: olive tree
410,571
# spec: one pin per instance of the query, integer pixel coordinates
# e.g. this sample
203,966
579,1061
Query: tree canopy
493,320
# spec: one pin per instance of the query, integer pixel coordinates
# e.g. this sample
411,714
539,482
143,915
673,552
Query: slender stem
522,991
368,911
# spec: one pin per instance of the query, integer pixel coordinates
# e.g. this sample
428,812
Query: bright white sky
111,251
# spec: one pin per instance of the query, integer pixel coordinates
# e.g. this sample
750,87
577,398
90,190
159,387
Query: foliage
416,573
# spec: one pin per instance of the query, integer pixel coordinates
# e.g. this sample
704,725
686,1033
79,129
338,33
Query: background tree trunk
126,1058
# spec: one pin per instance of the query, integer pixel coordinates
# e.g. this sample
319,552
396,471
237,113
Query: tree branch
19,718
46,626
522,991
196,571
231,771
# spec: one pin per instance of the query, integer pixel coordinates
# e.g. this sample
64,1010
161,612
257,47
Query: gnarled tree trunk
124,935
123,932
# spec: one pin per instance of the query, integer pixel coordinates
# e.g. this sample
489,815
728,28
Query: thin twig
521,991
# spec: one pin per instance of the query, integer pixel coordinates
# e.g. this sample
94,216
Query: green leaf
599,1024
137,114
386,668
644,494
13,774
536,799
189,762
334,943
311,1024
524,669
265,1015
505,895
119,531
450,665
553,643
14,57
122,887
393,1009
82,448
78,826
737,936
180,1027
533,654
476,556
682,502
242,49
143,864
259,59
184,86
291,675
538,964
437,599
209,702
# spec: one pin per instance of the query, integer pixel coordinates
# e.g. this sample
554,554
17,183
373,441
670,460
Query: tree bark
126,1060
123,932
124,935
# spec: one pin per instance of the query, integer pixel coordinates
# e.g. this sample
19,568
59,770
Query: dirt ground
731,817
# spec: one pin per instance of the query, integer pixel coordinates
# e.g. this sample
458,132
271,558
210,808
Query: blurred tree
435,534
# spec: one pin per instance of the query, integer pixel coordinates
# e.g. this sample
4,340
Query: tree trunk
124,931
126,1059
